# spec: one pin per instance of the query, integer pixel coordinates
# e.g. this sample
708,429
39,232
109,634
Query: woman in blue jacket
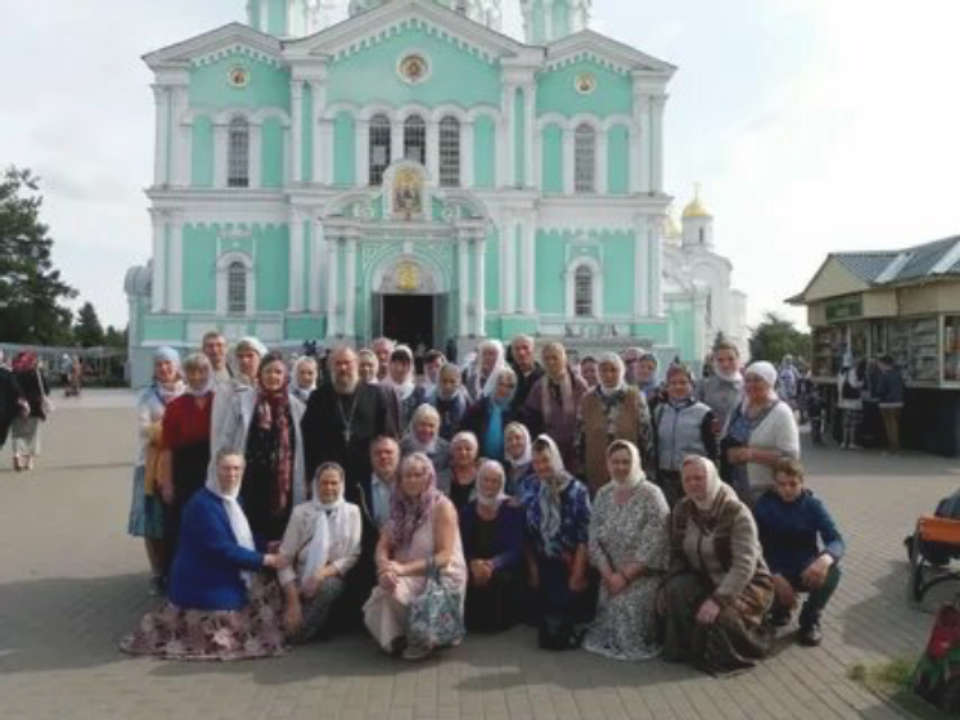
802,546
219,607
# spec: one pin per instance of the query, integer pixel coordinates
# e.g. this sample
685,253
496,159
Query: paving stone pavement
72,582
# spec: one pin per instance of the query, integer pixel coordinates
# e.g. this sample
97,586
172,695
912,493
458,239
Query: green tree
88,332
775,337
115,338
30,288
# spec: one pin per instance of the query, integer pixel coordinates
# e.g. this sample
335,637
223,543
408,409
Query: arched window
585,159
449,152
379,147
583,292
415,139
237,288
238,153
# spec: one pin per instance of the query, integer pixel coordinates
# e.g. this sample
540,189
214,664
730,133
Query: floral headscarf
408,514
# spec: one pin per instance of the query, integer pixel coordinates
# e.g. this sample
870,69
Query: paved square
72,582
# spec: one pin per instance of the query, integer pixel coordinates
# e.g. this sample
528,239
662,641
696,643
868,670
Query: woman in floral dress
628,547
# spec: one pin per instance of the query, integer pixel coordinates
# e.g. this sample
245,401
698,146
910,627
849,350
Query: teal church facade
402,167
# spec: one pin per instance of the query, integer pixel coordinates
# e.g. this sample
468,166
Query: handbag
46,403
434,618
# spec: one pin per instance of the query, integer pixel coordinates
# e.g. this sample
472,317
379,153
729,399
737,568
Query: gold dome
671,230
695,209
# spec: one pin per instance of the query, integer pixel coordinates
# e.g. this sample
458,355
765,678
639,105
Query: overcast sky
812,125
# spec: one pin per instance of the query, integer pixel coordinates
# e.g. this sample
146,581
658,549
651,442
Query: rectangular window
238,153
583,293
449,152
237,289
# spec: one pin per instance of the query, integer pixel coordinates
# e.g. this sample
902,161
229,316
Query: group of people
611,509
24,404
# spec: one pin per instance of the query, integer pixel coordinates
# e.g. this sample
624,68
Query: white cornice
224,39
607,51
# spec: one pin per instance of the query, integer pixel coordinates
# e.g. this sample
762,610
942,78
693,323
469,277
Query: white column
180,134
507,257
655,269
296,123
538,158
316,272
568,160
508,173
463,286
529,132
264,16
433,152
479,294
528,255
635,140
548,20
656,141
467,160
320,159
287,171
158,285
161,151
220,139
396,139
323,152
641,256
362,169
295,302
350,291
256,155
333,270
641,144
175,271
603,146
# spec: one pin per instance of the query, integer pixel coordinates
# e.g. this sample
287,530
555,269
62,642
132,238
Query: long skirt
497,605
735,641
626,625
26,435
316,610
146,511
175,633
385,614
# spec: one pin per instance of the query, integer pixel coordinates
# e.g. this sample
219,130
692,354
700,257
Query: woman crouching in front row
718,589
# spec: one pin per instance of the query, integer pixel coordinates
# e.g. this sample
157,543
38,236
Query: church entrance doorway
413,319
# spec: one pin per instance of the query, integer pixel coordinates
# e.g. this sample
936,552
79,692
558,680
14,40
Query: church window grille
237,288
415,139
449,152
379,147
238,153
585,159
583,292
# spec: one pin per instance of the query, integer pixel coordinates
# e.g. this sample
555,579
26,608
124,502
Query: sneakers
810,635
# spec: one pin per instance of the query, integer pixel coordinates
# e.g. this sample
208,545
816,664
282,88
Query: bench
925,574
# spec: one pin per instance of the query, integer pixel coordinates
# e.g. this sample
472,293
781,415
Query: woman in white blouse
322,541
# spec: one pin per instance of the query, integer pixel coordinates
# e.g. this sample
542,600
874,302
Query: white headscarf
768,373
490,385
525,458
330,523
491,503
405,388
550,491
236,518
636,475
713,479
611,358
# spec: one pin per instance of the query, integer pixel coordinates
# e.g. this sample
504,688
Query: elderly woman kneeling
493,546
322,541
220,608
422,534
718,589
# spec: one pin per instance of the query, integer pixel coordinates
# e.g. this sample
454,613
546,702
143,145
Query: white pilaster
180,134
603,162
467,160
548,20
256,155
635,170
362,134
509,136
655,268
641,143
463,287
641,257
568,160
528,240
175,271
529,132
320,159
479,287
220,140
333,270
264,16
507,257
656,140
350,291
317,270
158,285
323,152
296,122
433,152
295,301
161,96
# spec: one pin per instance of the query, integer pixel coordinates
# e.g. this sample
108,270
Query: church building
338,171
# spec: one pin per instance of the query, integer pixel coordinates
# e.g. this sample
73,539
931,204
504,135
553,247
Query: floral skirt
174,633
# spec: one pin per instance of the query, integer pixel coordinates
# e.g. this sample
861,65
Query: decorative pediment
606,51
210,46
